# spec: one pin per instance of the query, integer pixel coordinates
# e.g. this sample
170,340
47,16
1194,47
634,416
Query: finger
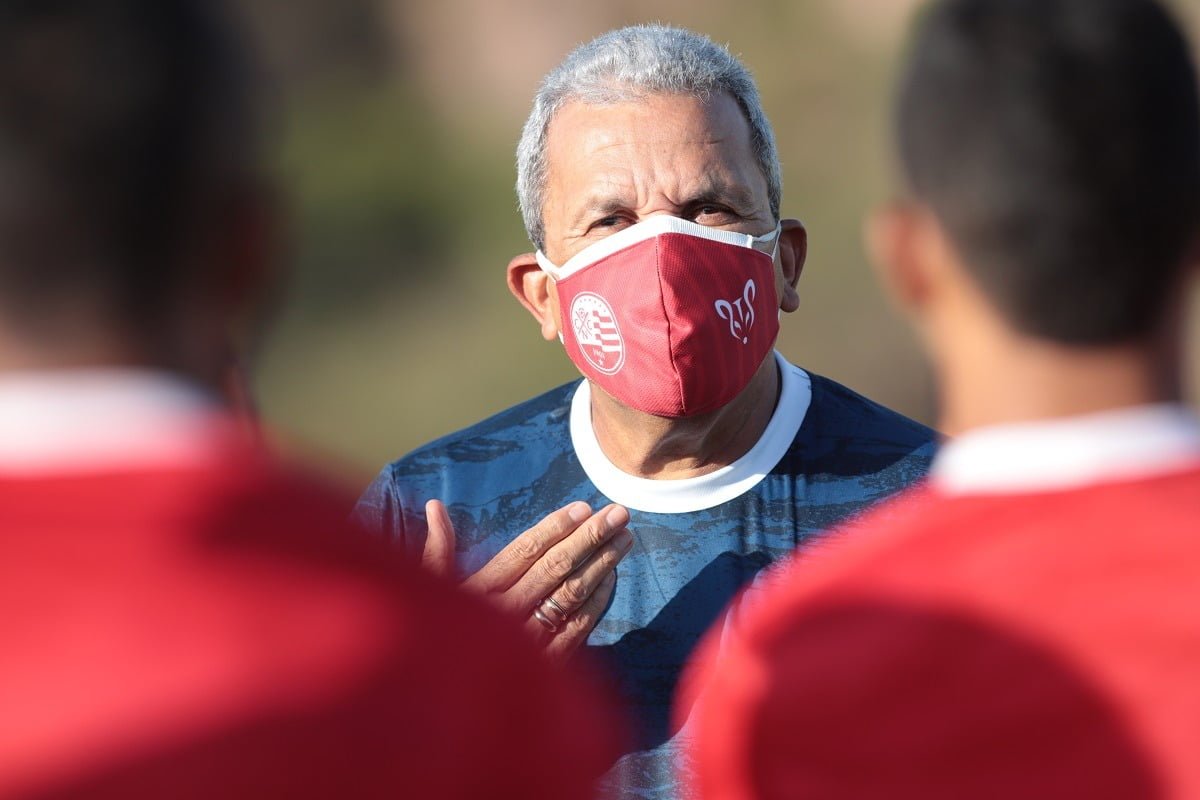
539,630
554,609
438,555
561,560
524,551
572,593
575,632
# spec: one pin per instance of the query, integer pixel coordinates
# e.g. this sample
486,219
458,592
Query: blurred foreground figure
1024,625
179,615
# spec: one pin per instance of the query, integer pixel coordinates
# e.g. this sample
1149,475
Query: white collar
1056,454
694,494
101,419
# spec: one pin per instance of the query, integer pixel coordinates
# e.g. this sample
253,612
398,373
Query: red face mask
668,316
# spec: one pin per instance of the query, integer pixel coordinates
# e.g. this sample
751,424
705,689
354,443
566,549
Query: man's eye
609,222
710,212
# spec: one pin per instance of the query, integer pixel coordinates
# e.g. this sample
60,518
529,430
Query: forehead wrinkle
608,190
714,186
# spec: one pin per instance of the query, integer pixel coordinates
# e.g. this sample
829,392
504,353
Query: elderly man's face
612,166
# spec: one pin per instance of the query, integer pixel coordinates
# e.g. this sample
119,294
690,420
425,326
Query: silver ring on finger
553,604
545,620
551,610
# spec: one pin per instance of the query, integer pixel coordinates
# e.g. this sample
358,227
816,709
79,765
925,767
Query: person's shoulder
842,409
833,635
256,475
425,638
1175,493
230,475
924,539
537,423
259,549
293,522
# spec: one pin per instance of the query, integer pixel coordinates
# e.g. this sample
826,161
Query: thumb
438,556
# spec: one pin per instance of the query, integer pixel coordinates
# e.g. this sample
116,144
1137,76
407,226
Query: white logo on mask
596,331
739,313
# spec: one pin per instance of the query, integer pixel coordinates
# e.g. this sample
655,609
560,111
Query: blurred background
397,123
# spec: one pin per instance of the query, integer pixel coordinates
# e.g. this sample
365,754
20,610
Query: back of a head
117,118
1058,143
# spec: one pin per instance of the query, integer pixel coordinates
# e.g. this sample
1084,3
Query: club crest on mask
596,331
739,313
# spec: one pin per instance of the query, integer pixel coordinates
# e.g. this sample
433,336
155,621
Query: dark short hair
116,118
1058,144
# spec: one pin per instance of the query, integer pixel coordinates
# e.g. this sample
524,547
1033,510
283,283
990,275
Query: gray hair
628,64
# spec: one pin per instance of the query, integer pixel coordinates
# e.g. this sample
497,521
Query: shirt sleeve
380,509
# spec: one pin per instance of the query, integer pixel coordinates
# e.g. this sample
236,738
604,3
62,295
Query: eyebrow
717,191
598,207
711,190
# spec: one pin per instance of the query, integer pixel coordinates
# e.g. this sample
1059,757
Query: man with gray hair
650,186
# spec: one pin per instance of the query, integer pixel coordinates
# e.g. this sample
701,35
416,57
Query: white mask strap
773,236
548,266
648,229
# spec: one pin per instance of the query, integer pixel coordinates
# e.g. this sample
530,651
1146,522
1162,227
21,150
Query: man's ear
897,237
793,250
533,289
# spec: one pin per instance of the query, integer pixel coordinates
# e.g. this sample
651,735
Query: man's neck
1021,380
646,446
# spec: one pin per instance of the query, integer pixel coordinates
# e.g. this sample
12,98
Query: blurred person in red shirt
181,615
1025,623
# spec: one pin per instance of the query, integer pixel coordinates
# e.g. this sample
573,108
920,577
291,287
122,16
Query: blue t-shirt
826,454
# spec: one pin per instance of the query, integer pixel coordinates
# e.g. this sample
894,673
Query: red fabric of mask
675,325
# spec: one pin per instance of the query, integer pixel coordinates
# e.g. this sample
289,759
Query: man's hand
569,557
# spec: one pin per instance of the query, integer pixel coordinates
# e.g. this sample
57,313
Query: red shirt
1014,644
215,630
